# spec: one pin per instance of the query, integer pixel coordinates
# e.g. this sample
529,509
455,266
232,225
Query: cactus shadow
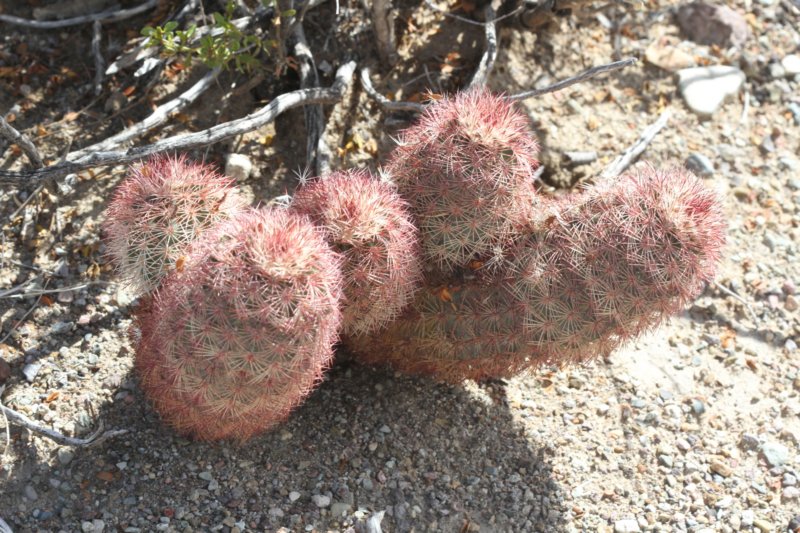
432,457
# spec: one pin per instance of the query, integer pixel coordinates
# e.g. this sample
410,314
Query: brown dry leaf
41,131
105,476
72,115
129,90
46,300
93,272
53,396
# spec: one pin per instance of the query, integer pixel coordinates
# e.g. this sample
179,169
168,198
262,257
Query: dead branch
621,163
390,105
583,76
317,154
481,75
158,117
97,36
97,436
188,141
468,20
383,24
15,137
104,16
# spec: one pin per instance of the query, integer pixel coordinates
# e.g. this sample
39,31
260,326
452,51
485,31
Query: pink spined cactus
241,334
595,271
367,222
465,167
163,205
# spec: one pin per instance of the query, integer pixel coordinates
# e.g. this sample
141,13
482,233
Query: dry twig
97,36
583,76
624,160
481,75
97,436
159,116
13,136
187,141
741,300
105,16
390,105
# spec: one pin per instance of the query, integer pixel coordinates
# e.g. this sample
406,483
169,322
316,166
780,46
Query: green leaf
289,13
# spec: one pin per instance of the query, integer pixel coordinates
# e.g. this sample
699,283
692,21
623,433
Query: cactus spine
243,332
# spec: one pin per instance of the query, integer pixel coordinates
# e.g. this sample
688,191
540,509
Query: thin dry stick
481,75
158,117
13,136
96,437
741,300
583,76
383,20
105,16
186,141
366,83
18,292
97,37
26,315
468,20
623,161
317,154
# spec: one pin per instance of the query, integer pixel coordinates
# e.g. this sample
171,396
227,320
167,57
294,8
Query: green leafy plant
220,44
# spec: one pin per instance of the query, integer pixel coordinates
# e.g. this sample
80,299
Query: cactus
593,271
241,333
369,225
465,167
163,206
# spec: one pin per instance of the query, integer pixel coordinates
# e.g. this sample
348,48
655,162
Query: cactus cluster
452,265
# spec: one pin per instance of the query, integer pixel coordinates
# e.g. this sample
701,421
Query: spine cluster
453,266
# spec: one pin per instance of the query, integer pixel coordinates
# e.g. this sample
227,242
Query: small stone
791,64
791,303
385,429
665,460
775,453
31,370
749,441
30,493
705,88
706,23
238,166
98,525
65,456
340,508
213,485
718,467
790,346
294,496
87,527
664,54
748,516
763,525
789,480
321,501
794,524
790,493
205,476
776,71
638,403
724,503
767,145
683,445
276,512
626,526
699,164
698,407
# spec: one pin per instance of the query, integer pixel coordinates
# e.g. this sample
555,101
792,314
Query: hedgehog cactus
158,211
243,331
466,167
367,222
592,272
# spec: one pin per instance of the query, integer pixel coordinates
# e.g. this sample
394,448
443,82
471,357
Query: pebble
763,525
775,453
213,485
340,508
699,164
205,476
626,526
791,64
748,516
665,55
321,501
276,512
718,467
791,303
789,480
705,88
706,23
31,370
749,441
238,166
30,493
698,407
790,346
790,493
294,496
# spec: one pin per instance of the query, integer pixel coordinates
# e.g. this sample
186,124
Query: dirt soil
695,427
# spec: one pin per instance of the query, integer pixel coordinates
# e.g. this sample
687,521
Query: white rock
791,64
294,496
705,88
238,166
320,500
626,526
